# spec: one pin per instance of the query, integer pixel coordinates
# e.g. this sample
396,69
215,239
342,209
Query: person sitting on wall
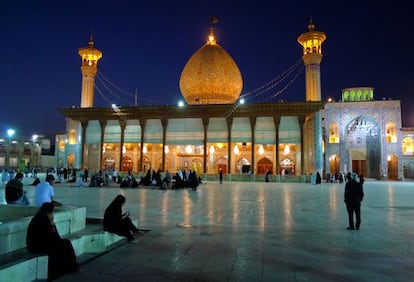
14,191
43,237
115,221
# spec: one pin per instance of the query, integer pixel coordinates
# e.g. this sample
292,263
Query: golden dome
211,76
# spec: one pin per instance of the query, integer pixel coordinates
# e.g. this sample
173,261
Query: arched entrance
392,167
263,165
243,166
364,147
109,164
334,164
287,166
71,161
196,165
127,164
222,163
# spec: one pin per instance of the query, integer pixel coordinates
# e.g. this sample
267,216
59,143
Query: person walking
353,196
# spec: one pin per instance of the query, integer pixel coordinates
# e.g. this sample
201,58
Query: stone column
276,121
302,153
122,123
205,127
317,160
102,123
229,125
164,123
84,151
252,127
142,123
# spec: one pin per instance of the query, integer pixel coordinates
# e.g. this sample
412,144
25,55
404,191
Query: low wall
15,220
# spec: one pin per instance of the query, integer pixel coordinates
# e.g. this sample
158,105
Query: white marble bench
15,220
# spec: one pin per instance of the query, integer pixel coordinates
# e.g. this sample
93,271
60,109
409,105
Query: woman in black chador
117,222
43,237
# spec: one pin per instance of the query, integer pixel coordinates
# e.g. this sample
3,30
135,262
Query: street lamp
32,151
10,134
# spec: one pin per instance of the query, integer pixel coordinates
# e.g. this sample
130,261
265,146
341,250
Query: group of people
15,194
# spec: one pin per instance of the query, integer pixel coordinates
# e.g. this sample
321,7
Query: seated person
43,237
45,192
14,191
35,182
117,222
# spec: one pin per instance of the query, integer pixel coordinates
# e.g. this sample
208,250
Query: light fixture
286,150
166,149
10,132
261,150
212,149
236,150
123,149
188,149
144,150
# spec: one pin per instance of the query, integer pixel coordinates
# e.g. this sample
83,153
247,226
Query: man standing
220,175
353,197
44,191
14,191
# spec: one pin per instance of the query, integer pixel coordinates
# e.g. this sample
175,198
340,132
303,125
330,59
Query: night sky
146,45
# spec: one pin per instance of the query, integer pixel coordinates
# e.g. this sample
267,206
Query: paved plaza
243,231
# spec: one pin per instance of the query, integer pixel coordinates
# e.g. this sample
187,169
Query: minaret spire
312,57
90,57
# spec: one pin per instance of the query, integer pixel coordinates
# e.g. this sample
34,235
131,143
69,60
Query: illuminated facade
213,131
363,135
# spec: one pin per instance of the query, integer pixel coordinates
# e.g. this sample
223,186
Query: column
122,123
84,151
317,162
164,123
205,127
142,123
276,121
102,123
302,153
252,127
229,121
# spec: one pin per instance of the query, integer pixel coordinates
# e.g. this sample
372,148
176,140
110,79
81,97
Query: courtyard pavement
239,231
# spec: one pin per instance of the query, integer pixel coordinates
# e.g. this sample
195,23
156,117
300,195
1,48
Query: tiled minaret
311,42
90,57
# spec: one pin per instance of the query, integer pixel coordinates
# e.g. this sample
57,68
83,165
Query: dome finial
211,37
311,25
90,43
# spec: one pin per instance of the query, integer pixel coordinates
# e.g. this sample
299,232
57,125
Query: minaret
312,57
90,57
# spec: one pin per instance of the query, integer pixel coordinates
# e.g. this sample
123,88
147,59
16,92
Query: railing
258,178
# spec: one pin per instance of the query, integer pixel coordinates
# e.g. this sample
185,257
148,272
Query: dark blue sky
146,44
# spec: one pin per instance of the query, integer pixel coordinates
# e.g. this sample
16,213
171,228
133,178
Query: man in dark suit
353,196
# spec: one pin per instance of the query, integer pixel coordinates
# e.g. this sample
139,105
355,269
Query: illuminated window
72,137
390,133
333,133
408,146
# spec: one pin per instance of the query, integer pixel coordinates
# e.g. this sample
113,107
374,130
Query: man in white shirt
44,191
